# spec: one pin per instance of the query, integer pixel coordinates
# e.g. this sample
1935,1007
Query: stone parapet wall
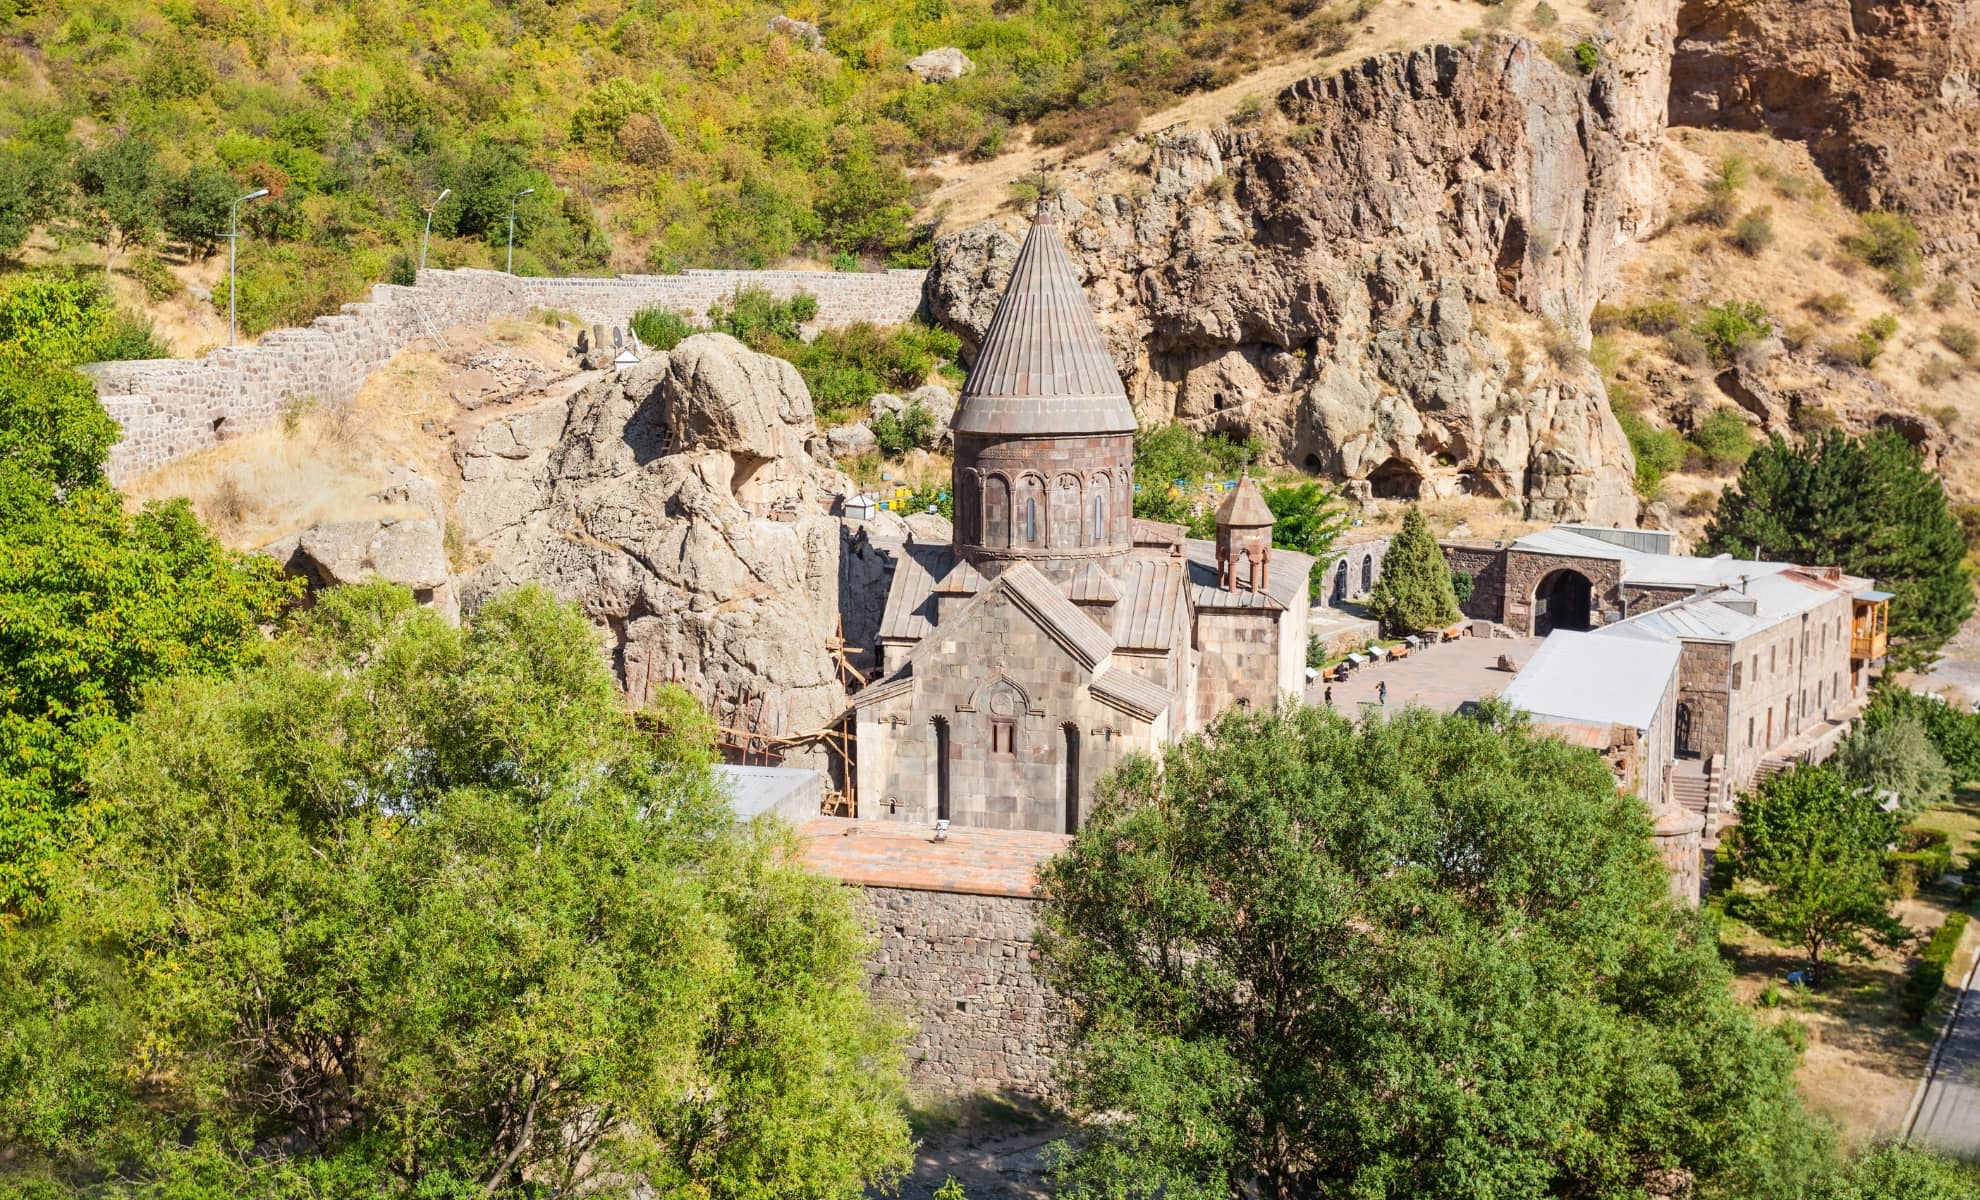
169,408
960,967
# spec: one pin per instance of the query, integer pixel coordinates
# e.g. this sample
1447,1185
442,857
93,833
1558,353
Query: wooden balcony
1869,627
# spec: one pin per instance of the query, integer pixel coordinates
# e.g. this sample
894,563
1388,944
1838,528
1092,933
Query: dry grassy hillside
1833,342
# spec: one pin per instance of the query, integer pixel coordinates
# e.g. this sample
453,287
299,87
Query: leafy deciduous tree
1895,756
413,910
1424,956
1811,846
120,186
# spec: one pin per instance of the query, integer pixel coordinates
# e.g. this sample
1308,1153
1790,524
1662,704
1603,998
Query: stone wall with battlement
169,408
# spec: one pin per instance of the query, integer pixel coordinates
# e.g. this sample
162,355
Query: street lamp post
512,225
233,253
428,231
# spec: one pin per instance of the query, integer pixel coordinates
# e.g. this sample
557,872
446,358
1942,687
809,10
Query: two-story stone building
1057,634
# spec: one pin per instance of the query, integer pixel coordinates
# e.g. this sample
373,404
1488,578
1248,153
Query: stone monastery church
1057,633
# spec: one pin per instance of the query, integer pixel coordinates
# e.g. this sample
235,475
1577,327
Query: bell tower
1244,538
1044,433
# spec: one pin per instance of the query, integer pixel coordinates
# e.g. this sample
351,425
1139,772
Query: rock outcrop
1390,284
943,65
680,503
1886,95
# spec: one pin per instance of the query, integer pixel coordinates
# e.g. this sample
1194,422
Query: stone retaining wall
169,408
960,967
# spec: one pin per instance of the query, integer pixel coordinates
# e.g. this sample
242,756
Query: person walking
1330,695
1382,693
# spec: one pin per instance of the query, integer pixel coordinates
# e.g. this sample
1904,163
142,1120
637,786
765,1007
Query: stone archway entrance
1340,584
1561,602
1687,730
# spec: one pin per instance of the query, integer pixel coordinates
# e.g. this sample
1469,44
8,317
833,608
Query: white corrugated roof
1596,679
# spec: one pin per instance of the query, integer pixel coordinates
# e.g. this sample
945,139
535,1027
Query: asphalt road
1949,1118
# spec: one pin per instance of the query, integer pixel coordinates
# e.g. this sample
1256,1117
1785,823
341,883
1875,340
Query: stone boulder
677,502
850,441
410,551
944,65
804,33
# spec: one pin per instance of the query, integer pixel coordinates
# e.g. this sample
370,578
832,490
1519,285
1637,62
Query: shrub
1587,56
756,318
1945,294
1961,340
1700,503
1728,328
1810,420
1544,16
155,277
845,368
661,328
1654,317
1563,350
913,428
1687,347
1938,373
1754,232
1658,451
1929,975
1887,241
1723,439
1829,306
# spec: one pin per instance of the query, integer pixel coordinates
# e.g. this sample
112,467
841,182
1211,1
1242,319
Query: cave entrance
1395,480
1561,602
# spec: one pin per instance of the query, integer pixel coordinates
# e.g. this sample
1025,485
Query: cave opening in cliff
1561,602
1395,480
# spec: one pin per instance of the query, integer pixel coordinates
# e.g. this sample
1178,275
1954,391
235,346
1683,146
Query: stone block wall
1362,561
1487,567
961,968
169,408
1238,660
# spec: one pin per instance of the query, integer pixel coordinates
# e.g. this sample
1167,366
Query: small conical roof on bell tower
1245,507
1043,367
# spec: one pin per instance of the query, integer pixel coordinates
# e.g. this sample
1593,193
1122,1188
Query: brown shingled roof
1245,506
1043,367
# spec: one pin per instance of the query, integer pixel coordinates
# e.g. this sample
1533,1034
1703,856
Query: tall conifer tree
1415,590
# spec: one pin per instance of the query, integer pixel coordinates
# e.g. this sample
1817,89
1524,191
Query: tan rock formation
1326,283
678,503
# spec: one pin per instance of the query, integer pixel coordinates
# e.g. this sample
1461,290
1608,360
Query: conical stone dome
1043,368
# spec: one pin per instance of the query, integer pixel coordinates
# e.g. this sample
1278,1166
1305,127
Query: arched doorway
1367,573
1072,777
1561,602
1687,731
1340,584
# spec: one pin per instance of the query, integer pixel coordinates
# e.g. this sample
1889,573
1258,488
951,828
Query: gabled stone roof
1119,688
1091,585
1043,367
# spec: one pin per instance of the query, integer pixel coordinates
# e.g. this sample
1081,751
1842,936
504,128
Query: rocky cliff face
1886,94
1358,279
680,504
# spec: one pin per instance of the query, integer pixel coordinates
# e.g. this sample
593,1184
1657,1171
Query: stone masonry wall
169,408
960,967
1487,567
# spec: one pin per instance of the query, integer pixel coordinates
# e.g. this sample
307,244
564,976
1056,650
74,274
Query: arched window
1030,521
941,725
996,512
1367,571
1099,519
1102,488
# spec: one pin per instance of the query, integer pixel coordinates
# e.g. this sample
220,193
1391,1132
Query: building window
1736,674
1749,733
1367,572
1820,684
1031,522
941,768
1773,660
1753,668
1099,519
1003,737
1072,776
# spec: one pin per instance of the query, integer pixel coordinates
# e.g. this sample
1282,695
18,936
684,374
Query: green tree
1307,518
30,195
1895,756
1955,733
1807,860
120,188
1426,956
1868,506
95,602
1415,590
196,206
1895,1171
412,910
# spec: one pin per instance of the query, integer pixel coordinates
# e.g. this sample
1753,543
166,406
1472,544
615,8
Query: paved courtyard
1441,677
